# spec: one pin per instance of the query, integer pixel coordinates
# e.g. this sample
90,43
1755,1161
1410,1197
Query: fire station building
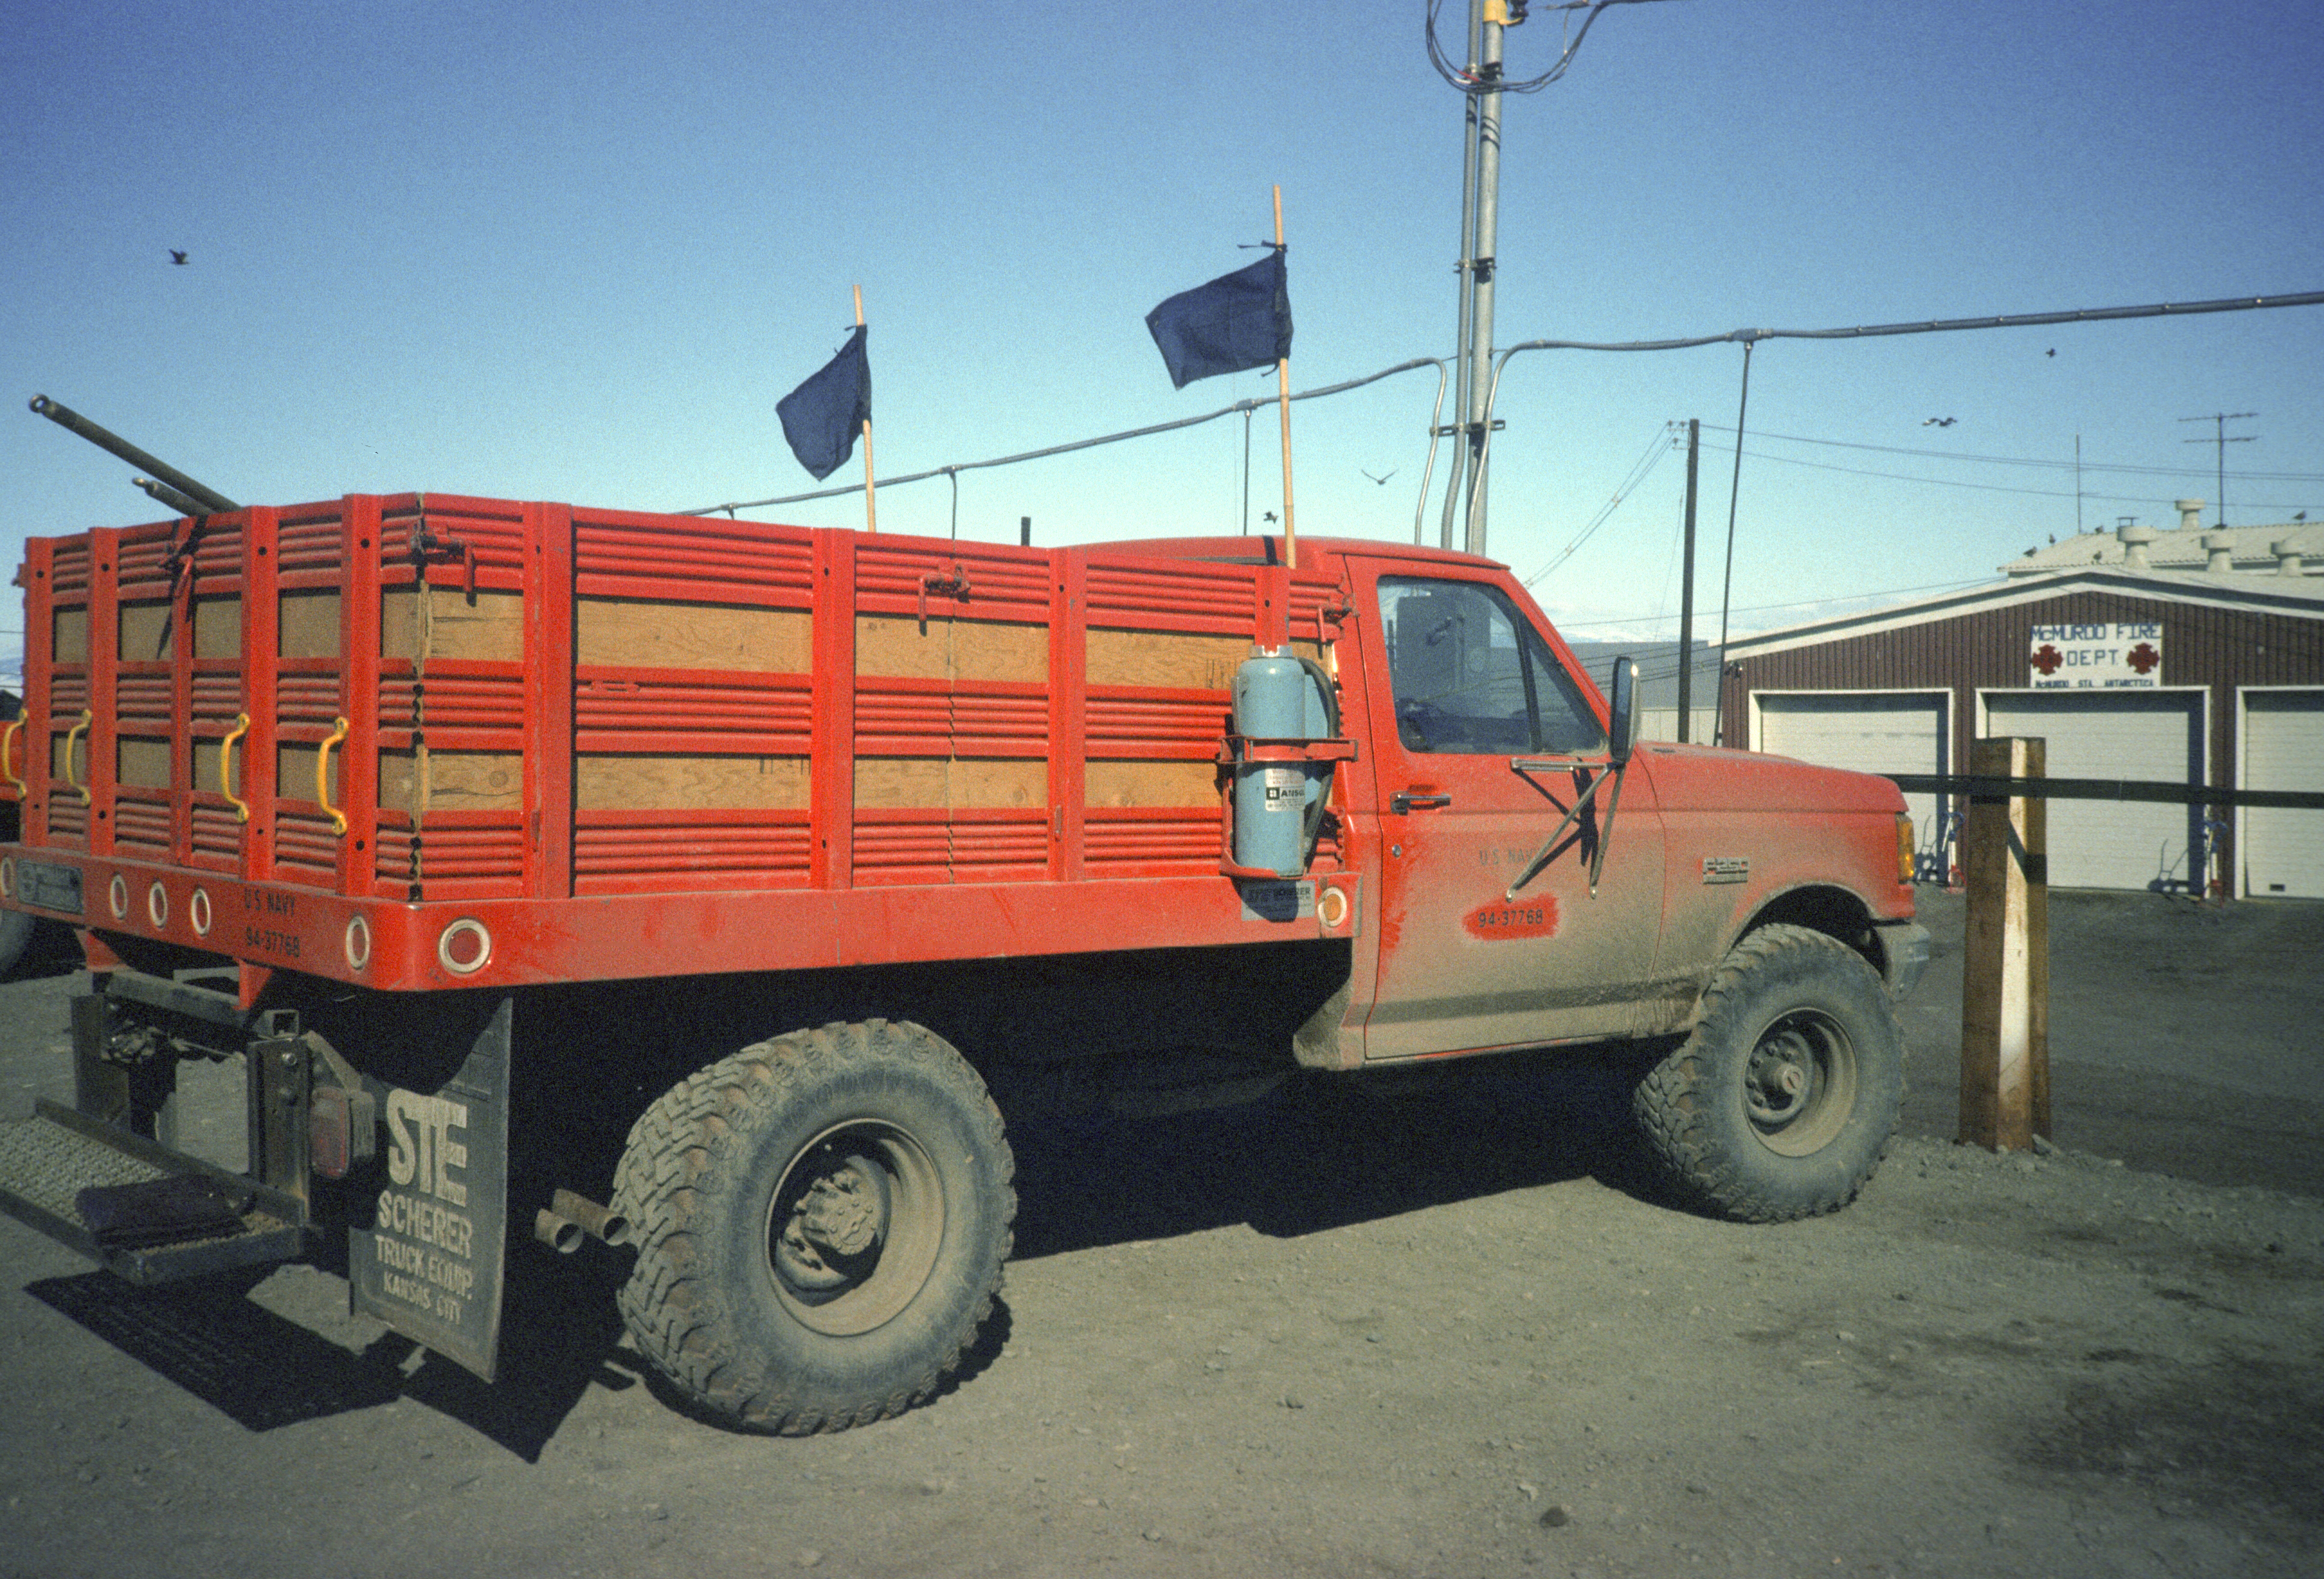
2187,656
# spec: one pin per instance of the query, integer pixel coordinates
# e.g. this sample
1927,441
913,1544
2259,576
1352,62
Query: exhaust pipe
561,1235
601,1223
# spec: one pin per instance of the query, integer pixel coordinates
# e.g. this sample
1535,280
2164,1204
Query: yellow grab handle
323,777
8,742
87,719
225,762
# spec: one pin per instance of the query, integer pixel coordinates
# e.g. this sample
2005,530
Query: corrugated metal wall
2219,649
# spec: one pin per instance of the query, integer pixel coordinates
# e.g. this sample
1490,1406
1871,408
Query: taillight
1904,849
341,1130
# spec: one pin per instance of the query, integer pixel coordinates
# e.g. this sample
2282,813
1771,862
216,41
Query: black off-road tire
821,1222
1781,1101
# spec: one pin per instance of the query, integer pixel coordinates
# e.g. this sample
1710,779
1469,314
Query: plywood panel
988,649
1164,658
489,629
635,782
294,773
141,764
644,633
218,628
206,767
1150,784
998,782
80,764
144,633
892,647
938,783
69,636
418,782
899,648
1172,658
310,625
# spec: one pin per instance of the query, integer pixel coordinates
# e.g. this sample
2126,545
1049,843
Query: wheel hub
840,1216
1783,1074
1799,1087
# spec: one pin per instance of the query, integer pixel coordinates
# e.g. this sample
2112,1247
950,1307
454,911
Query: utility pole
1480,178
2220,420
1492,21
1481,83
1686,588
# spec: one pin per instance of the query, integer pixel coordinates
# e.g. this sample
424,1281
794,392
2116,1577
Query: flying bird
1267,515
2052,352
1381,481
1939,422
176,256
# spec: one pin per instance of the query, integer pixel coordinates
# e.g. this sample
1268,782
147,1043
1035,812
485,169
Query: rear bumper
1903,954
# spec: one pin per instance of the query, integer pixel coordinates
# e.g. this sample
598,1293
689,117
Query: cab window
1471,677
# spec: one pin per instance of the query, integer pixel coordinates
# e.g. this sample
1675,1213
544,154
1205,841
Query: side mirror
1622,703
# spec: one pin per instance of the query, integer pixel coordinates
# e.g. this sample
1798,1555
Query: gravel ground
1442,1336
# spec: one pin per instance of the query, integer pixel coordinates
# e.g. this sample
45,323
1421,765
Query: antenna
2222,439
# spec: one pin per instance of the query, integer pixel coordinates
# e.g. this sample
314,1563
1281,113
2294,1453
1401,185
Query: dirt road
1440,1336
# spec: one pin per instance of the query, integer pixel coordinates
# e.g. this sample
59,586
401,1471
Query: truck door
1483,741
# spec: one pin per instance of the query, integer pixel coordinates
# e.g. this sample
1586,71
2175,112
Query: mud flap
428,1262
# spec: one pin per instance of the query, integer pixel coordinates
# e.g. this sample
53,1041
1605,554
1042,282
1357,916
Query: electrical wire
1639,472
1931,482
2202,472
1939,586
1461,78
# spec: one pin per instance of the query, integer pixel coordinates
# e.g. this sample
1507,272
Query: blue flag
823,415
1238,321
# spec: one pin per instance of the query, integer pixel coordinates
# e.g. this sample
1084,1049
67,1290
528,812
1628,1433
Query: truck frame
712,888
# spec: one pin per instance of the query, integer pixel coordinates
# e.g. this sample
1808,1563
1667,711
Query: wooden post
1283,402
2004,1099
871,504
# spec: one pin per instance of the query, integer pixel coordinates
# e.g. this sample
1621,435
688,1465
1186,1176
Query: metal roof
2297,596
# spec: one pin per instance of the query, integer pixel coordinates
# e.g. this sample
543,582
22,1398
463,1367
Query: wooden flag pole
871,506
1283,399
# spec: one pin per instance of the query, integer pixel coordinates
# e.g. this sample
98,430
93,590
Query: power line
1639,472
1891,449
1938,482
1941,586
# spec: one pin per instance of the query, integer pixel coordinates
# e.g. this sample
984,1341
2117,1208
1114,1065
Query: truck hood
1707,778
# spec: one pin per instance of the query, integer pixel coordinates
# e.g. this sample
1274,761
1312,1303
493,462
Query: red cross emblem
2047,658
2144,657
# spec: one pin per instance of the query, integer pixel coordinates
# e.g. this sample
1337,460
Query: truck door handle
1404,801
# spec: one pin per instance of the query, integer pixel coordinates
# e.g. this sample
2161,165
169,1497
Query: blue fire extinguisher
1281,699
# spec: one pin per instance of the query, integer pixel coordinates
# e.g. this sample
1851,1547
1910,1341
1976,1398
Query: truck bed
425,741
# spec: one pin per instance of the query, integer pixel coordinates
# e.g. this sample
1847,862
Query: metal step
48,1159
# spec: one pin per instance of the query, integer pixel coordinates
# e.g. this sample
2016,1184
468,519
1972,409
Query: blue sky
578,251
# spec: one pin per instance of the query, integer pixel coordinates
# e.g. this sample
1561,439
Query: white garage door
1870,731
2112,734
2284,749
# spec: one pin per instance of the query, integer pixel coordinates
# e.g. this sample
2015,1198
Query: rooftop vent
2134,539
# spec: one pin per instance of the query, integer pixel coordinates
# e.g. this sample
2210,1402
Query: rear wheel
821,1221
1781,1101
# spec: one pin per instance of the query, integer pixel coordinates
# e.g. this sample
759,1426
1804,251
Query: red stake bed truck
699,885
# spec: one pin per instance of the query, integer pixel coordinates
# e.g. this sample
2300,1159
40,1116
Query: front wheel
821,1220
1781,1101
